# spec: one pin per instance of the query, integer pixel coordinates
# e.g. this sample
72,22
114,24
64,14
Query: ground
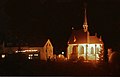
57,69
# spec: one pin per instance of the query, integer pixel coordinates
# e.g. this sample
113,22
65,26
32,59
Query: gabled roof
79,35
31,43
94,39
39,43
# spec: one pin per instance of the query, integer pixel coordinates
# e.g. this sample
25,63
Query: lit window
82,50
3,56
30,54
97,50
92,50
29,57
35,54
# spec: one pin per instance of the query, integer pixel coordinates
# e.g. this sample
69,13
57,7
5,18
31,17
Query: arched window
97,50
75,48
92,50
81,50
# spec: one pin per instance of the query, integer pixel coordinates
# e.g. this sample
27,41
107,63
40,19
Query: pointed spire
85,16
85,26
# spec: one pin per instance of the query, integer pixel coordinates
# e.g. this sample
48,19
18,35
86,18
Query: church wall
79,50
69,50
90,56
96,49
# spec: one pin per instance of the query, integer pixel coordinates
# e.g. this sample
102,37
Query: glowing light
62,53
74,39
30,54
16,51
29,57
59,55
20,51
72,28
26,51
3,55
30,50
35,54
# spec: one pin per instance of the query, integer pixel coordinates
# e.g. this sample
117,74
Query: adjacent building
43,50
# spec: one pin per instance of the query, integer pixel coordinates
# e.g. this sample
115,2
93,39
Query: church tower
85,26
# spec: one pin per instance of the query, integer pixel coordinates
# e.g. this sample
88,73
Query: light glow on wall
59,55
87,49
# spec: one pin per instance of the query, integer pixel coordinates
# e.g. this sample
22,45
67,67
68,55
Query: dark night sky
54,18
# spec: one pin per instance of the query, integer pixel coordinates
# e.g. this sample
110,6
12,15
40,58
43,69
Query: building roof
94,39
39,43
31,43
78,36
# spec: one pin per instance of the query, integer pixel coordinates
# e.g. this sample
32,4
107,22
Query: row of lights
27,51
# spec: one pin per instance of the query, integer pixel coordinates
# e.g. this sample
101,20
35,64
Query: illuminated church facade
82,44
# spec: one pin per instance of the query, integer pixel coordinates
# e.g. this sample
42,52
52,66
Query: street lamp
62,53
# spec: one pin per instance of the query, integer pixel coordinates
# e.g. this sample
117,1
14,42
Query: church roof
94,39
78,36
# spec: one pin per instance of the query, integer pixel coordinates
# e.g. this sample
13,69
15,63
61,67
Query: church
82,44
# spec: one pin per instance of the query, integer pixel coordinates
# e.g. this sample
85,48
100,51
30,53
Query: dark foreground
57,68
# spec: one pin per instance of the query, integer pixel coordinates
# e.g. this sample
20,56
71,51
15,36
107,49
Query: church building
82,44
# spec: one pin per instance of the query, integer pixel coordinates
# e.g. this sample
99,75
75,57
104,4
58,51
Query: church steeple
85,26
